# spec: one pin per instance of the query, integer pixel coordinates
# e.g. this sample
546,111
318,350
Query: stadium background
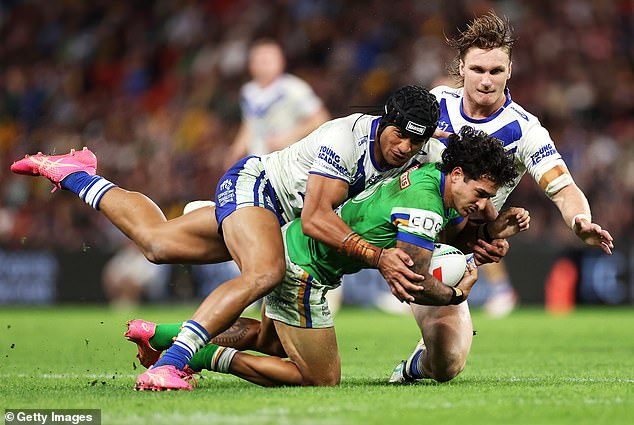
152,87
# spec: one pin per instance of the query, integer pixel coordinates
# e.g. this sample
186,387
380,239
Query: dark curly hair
479,155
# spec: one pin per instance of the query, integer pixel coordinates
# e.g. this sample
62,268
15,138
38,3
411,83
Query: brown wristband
457,297
354,246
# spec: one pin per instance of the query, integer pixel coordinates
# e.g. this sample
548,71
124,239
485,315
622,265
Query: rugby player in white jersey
277,108
253,199
483,66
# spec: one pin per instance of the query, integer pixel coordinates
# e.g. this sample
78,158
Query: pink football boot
57,167
140,332
164,378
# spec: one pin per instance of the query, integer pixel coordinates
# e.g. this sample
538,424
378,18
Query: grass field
527,369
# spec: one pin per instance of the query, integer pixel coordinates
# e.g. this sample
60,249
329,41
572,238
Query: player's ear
508,77
457,174
461,68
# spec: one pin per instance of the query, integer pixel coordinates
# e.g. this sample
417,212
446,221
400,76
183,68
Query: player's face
485,73
468,195
394,148
266,63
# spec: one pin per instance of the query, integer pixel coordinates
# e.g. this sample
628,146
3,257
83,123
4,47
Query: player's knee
322,380
262,282
155,252
448,365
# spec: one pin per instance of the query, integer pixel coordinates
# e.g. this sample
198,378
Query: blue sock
413,367
191,338
89,188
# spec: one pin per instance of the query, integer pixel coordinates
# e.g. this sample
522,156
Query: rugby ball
448,264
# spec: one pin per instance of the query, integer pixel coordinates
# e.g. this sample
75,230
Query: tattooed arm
432,291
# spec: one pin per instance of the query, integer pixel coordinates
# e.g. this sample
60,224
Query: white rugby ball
448,264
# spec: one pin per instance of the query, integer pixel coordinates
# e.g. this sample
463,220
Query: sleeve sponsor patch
543,152
330,161
418,222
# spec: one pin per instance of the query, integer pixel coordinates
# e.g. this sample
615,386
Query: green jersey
408,208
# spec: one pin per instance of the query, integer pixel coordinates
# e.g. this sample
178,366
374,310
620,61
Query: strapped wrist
354,246
457,297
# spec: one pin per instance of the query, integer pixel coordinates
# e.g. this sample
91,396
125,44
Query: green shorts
300,300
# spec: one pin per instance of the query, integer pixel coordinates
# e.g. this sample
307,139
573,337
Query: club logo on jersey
415,128
226,185
545,151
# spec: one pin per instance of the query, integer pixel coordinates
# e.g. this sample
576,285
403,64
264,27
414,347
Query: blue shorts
246,185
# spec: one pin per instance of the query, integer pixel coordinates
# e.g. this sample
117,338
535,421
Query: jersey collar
372,141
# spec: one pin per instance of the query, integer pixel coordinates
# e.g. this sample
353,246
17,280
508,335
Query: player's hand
484,252
469,279
509,222
394,265
592,234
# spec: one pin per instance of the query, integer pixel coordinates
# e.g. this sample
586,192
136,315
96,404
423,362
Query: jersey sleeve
417,226
538,152
337,152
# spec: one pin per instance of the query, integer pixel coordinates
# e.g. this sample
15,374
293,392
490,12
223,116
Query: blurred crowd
152,88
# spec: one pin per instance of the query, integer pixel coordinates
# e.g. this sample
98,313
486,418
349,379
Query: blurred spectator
128,278
277,108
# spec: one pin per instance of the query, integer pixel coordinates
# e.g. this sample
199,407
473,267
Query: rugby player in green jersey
409,212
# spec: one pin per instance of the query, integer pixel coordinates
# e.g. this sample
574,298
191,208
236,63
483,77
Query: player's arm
574,208
319,221
432,291
488,239
238,148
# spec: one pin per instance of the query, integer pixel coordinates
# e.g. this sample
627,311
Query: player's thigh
314,352
254,239
197,233
446,329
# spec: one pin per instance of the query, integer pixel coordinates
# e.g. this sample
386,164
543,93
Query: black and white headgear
414,110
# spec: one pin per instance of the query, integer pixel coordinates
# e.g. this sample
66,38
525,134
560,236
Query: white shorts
300,300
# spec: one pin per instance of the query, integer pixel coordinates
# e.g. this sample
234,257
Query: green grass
530,368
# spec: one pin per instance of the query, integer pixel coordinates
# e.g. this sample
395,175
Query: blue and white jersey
341,149
521,133
275,109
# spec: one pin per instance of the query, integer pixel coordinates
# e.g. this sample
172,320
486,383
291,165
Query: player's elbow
310,225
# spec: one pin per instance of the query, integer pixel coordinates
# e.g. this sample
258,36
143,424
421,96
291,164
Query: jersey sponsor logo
450,93
415,128
373,179
332,158
545,151
422,222
404,180
520,113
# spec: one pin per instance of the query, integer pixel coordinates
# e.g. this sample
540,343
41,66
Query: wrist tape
354,246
